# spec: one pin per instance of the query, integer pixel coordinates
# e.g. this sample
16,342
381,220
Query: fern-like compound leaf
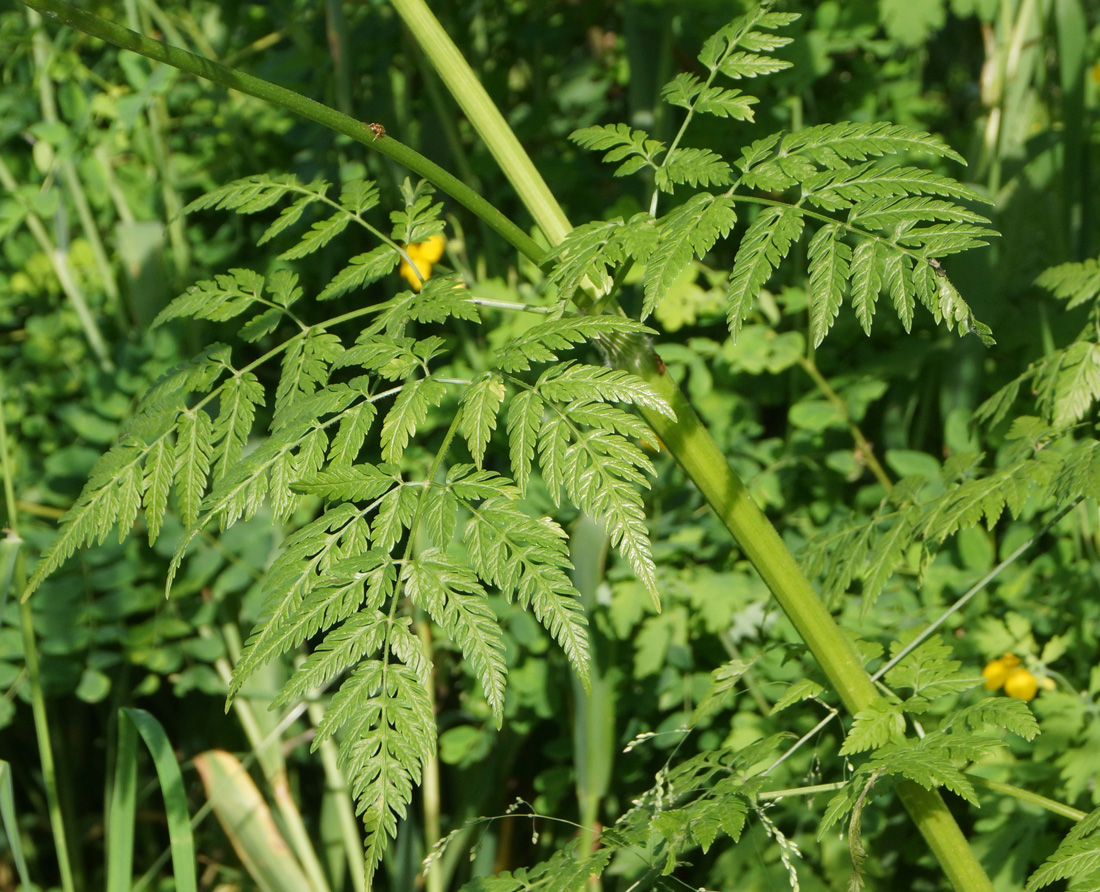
927,762
866,282
238,399
544,341
255,193
194,448
306,364
873,727
389,735
576,381
524,420
766,243
688,231
159,473
1009,713
829,261
479,408
407,414
741,64
720,48
1069,386
1075,283
828,144
688,91
697,167
527,559
362,270
320,234
1076,858
586,253
457,602
217,299
623,143
836,188
419,220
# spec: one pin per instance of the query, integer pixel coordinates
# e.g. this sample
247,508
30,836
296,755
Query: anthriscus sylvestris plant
378,422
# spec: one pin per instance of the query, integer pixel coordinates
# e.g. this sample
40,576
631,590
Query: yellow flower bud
995,673
1021,684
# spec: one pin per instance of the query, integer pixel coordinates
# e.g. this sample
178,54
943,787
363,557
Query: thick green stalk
696,451
486,119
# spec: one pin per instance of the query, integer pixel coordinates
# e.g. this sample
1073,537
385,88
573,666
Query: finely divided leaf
479,407
407,413
766,243
829,259
575,381
873,727
544,341
688,91
217,299
692,166
194,437
252,194
456,601
685,232
238,399
829,144
624,143
866,282
389,734
524,420
363,269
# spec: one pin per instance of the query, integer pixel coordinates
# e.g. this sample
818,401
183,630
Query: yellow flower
996,671
423,255
1021,684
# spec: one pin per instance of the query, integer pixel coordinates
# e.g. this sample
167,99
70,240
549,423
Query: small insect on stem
660,364
935,264
378,130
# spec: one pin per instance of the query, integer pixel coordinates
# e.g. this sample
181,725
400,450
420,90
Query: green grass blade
122,810
175,799
11,827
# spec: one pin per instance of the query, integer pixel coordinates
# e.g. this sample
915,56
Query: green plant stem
156,113
594,710
1022,795
866,450
59,260
696,451
1051,805
485,117
43,54
310,109
30,657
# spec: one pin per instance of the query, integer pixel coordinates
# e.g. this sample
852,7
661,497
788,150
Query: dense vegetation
481,521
